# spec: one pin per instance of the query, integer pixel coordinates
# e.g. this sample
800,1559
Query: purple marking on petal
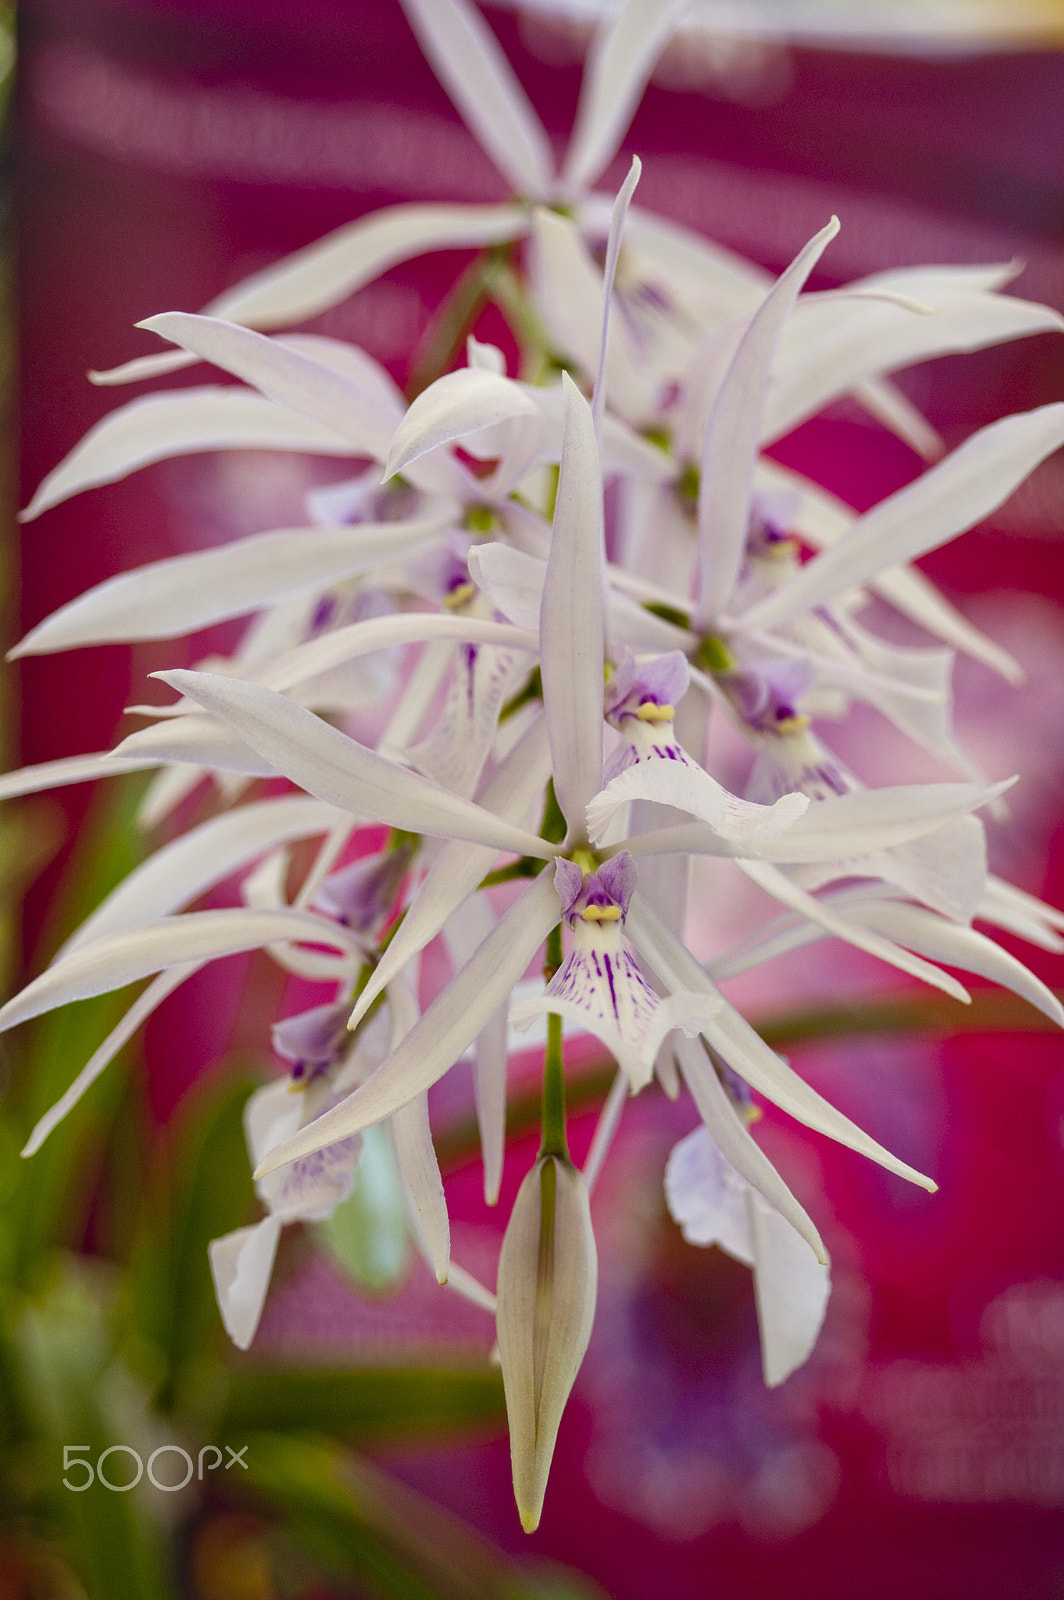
363,893
312,1038
569,882
768,692
618,877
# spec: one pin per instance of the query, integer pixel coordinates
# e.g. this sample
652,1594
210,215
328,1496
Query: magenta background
923,160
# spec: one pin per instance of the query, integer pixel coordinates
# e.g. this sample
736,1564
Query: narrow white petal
730,1135
178,873
447,1028
822,520
566,285
732,1037
781,888
311,388
121,958
832,343
306,661
609,274
548,1280
343,772
68,769
941,940
916,597
139,1011
467,59
458,403
462,934
571,618
619,63
1008,907
184,593
416,1156
184,423
458,868
952,496
791,1289
241,1264
731,441
327,271
195,740
876,819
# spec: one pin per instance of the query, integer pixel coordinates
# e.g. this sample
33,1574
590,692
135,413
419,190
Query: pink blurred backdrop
166,149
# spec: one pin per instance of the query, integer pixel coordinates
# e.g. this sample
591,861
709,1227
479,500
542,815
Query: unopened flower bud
548,1277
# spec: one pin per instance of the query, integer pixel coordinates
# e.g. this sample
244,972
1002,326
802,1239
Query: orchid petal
941,940
967,486
241,1266
466,57
161,425
620,61
731,441
571,618
822,519
121,958
732,1037
548,1278
322,274
343,772
839,829
675,783
447,1028
791,1292
458,868
609,274
731,1137
567,289
179,873
833,342
184,593
194,740
68,769
139,1011
310,387
1008,907
463,933
456,404
416,1156
307,661
632,1027
781,888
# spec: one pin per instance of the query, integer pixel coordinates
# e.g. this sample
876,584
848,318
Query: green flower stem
552,1111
